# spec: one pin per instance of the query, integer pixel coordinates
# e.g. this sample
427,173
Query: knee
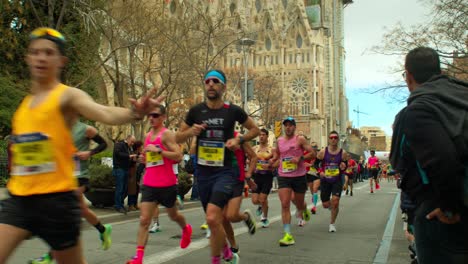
326,204
262,200
212,221
231,216
335,203
255,200
145,221
173,216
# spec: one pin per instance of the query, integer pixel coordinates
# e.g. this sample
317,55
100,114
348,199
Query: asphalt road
369,230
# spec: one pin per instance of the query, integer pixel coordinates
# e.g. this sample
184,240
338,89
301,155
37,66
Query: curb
110,216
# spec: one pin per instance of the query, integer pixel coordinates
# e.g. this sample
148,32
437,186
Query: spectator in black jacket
122,159
429,149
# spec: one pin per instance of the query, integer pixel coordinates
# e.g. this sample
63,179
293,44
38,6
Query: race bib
32,154
153,159
77,169
260,164
312,170
211,153
287,165
349,170
332,171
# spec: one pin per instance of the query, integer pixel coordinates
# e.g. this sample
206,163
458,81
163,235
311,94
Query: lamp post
245,43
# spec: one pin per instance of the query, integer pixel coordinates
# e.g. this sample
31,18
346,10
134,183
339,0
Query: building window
290,58
268,44
232,8
308,56
173,7
299,41
258,5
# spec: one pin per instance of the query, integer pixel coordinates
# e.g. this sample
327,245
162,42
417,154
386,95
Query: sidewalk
109,215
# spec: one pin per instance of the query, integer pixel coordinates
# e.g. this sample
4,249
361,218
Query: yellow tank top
42,148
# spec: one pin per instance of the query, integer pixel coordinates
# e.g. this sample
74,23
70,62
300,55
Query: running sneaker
155,228
106,237
347,192
235,259
204,226
250,222
134,260
351,193
332,228
186,236
287,240
265,223
306,215
377,186
301,222
180,202
235,250
313,210
227,253
371,191
208,233
259,211
45,259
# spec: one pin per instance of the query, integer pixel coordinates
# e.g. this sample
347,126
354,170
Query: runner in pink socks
159,181
373,165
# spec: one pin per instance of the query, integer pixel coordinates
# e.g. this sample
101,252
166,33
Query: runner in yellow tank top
42,182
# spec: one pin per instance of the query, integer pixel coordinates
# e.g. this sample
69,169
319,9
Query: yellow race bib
312,171
287,165
260,164
32,154
332,171
211,153
153,159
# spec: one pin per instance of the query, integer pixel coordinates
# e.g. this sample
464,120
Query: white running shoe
301,222
208,233
155,228
332,228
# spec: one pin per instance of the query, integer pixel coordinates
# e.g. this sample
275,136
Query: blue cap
289,119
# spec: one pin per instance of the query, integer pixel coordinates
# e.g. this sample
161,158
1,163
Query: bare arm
252,158
321,154
253,132
185,132
173,150
80,102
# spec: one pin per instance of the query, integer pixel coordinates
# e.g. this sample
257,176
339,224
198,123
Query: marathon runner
373,165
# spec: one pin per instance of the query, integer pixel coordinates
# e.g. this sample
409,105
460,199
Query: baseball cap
289,119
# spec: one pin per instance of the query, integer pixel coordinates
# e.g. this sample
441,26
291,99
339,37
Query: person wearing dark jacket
122,159
429,149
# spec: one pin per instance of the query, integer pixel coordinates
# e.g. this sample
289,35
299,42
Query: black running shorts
54,217
165,196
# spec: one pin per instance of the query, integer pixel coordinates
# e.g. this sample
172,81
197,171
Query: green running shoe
45,259
287,240
106,237
306,215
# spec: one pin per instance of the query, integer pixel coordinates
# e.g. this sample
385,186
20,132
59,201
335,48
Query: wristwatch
241,140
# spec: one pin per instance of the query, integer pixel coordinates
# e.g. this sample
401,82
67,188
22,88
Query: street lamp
245,43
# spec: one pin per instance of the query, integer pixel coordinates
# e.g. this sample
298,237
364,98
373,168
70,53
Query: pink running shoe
134,260
186,236
227,253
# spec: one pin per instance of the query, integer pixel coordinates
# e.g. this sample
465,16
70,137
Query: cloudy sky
365,23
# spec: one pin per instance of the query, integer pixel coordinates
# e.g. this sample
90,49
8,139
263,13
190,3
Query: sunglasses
333,137
154,115
41,32
215,81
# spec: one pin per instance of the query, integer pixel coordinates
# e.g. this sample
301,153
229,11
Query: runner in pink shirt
373,166
159,181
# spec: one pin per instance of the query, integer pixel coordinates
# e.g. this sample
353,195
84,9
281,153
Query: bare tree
445,31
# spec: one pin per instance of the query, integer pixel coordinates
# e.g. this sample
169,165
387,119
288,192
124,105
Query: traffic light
278,129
